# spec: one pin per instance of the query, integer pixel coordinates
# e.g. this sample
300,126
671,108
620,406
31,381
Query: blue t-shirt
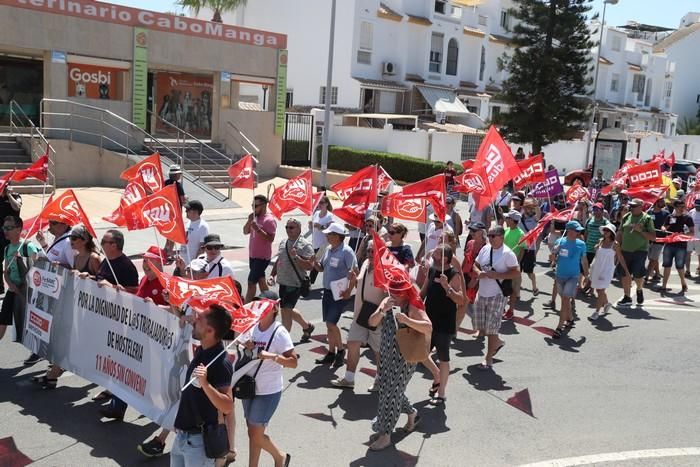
337,263
569,257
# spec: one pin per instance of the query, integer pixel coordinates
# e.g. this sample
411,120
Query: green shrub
297,151
401,167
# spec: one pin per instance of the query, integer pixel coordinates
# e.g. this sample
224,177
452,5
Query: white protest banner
131,347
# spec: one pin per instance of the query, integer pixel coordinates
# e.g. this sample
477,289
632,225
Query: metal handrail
257,150
170,155
17,112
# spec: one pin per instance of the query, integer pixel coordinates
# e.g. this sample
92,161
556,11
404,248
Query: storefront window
21,81
185,101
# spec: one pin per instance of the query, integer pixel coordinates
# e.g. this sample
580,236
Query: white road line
617,457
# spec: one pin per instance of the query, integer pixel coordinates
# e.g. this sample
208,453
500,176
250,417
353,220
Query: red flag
563,216
180,290
468,164
499,165
392,275
352,214
249,314
39,170
671,160
242,174
431,189
645,175
32,225
399,206
66,209
134,192
692,196
160,210
619,179
472,181
575,193
148,170
384,180
648,194
676,237
531,171
530,238
296,193
361,187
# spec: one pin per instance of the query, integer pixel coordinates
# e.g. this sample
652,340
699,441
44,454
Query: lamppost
595,80
327,99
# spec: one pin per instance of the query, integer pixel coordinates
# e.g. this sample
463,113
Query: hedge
399,166
297,151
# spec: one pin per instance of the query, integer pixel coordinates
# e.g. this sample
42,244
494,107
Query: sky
656,12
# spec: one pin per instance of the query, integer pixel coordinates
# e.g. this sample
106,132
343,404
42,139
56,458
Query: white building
635,82
433,57
683,48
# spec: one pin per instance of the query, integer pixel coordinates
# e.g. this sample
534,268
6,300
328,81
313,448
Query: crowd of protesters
469,265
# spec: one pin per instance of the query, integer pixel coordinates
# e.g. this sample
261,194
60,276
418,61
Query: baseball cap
473,226
513,214
598,206
574,225
154,252
175,169
336,228
636,202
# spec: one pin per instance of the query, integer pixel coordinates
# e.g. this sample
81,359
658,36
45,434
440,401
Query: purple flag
550,187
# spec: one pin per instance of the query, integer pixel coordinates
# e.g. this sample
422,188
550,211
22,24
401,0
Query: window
334,95
289,101
617,43
668,87
505,20
482,63
495,111
638,85
615,82
661,126
452,57
436,43
364,52
441,6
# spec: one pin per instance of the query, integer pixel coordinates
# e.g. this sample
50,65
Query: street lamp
595,80
327,109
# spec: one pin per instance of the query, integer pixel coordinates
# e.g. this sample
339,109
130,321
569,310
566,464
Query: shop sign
93,82
281,85
139,96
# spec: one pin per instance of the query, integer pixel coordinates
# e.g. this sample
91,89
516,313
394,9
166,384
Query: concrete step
9,144
31,189
14,158
13,152
5,166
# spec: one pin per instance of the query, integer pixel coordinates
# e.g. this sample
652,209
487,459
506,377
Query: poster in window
185,101
94,82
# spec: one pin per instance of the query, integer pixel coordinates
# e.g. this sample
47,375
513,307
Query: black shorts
257,269
441,342
636,264
528,262
6,309
289,296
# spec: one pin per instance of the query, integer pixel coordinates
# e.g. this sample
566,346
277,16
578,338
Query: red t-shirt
151,289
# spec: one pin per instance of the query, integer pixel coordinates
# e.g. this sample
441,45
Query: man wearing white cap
339,267
433,234
174,176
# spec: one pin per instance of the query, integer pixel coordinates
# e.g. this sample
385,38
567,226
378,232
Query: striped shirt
593,234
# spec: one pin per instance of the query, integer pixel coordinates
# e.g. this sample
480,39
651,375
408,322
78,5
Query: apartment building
636,82
437,58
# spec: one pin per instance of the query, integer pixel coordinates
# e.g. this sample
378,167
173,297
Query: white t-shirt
196,231
503,260
60,251
432,236
270,379
318,238
695,215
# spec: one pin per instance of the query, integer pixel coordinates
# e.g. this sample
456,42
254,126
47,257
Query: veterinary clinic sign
126,16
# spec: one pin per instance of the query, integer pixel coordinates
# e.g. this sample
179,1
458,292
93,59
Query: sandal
102,396
45,382
406,429
306,333
503,344
378,447
437,401
569,324
558,332
484,367
230,457
433,389
535,292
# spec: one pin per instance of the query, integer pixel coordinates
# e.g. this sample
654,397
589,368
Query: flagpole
234,341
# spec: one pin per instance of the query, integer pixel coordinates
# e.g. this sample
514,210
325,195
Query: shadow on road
485,380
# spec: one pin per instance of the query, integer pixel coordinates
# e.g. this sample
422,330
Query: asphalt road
620,392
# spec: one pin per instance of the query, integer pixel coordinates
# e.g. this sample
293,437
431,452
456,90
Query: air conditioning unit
388,68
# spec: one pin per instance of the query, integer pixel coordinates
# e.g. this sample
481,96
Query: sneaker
339,359
343,383
624,301
153,448
33,358
640,297
606,308
549,304
508,315
594,316
374,387
108,412
329,358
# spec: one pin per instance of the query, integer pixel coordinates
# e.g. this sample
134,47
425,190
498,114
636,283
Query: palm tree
218,6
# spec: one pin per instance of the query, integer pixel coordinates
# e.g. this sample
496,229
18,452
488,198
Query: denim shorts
567,286
330,309
259,409
257,269
674,253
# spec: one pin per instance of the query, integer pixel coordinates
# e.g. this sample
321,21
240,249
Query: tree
689,126
549,71
217,6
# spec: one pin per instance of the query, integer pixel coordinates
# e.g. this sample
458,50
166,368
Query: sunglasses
258,205
290,227
75,237
212,247
7,228
494,235
104,242
392,232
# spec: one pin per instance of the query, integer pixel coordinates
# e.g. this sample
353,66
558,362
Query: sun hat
610,227
434,217
213,240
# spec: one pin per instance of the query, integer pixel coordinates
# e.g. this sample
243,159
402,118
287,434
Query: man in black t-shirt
10,205
675,252
175,176
209,394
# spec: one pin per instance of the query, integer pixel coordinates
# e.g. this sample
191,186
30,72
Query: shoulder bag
505,285
245,386
367,309
305,288
413,345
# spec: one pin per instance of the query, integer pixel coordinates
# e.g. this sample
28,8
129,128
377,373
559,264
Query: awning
443,100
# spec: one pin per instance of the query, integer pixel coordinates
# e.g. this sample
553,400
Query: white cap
336,228
434,217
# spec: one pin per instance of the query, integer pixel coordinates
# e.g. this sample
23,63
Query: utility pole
327,112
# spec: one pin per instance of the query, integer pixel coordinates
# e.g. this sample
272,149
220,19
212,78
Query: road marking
617,457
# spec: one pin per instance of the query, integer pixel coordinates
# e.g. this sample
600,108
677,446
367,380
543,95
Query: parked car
582,176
